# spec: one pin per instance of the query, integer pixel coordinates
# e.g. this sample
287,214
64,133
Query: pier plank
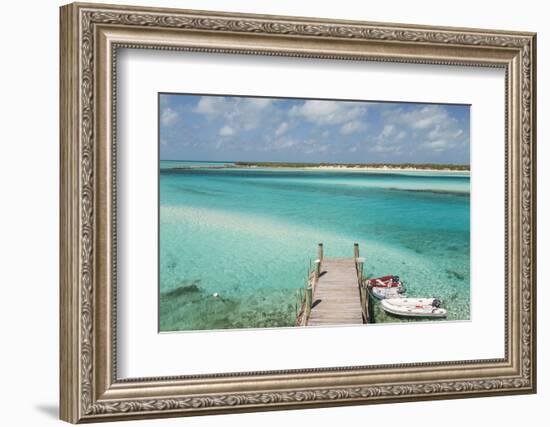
336,298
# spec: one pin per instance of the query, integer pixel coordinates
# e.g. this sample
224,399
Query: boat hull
386,293
413,307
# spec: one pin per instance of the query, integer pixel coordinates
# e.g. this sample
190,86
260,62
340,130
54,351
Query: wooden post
320,251
367,304
356,250
370,310
308,302
317,268
363,302
359,262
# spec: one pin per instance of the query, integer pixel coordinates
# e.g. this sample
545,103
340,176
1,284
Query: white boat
385,293
414,307
386,287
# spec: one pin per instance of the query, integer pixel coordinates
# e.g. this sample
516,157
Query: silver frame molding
90,37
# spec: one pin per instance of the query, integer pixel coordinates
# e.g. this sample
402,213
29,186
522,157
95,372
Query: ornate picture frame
90,37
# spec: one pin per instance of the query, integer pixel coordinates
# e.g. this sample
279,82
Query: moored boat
390,281
386,287
414,307
384,293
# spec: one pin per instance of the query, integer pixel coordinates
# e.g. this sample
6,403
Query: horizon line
315,163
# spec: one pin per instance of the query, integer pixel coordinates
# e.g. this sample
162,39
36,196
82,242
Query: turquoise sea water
248,235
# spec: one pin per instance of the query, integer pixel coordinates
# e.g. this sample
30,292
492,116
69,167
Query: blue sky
225,128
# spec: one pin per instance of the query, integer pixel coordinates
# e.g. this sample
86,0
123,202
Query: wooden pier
335,293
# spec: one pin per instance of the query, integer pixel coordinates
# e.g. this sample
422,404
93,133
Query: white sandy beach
380,169
344,168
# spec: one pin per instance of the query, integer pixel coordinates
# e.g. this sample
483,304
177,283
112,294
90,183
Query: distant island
359,166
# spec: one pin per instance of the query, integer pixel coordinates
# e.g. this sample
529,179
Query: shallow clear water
249,234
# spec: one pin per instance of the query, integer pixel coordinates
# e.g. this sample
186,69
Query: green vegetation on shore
430,166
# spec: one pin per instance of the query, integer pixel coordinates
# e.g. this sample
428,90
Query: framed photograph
266,212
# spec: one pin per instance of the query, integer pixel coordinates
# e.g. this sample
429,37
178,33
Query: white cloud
434,132
426,117
389,140
260,102
283,127
226,131
328,112
391,134
284,143
238,113
315,148
437,145
385,148
310,129
444,136
387,131
352,127
210,105
431,126
303,146
168,116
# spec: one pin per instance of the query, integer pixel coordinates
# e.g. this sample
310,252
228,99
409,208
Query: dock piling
363,291
317,268
308,300
360,262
